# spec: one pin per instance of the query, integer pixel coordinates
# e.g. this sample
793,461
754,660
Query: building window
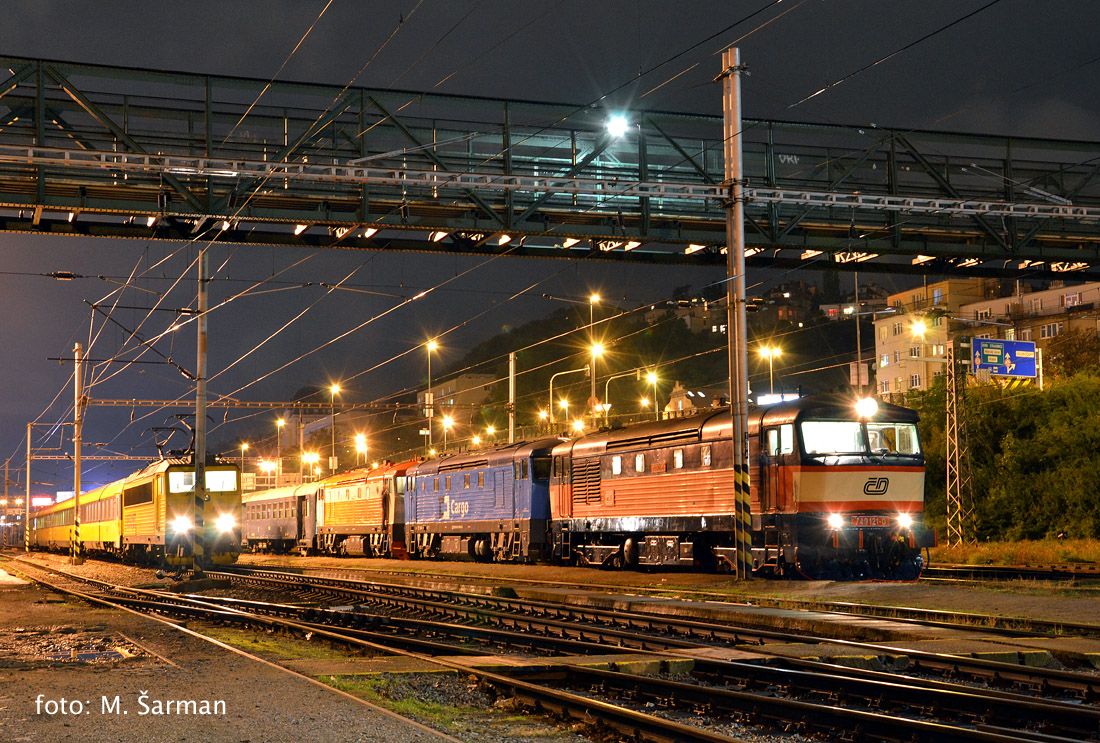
1072,300
885,360
914,352
1010,334
984,335
882,332
1051,329
897,384
939,349
937,321
914,381
1025,335
937,296
897,356
885,385
985,314
897,328
1036,304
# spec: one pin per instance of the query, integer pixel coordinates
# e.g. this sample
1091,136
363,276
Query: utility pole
512,397
27,496
75,546
859,344
199,455
959,502
736,333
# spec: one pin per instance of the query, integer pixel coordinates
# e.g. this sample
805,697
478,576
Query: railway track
1067,572
806,699
932,617
812,698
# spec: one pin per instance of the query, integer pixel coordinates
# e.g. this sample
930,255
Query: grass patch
1024,552
453,704
275,646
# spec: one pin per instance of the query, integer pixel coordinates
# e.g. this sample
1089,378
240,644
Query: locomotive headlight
866,407
182,524
225,523
835,521
905,520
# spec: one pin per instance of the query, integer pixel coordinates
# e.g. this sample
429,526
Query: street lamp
429,398
334,390
771,353
490,431
311,458
597,351
360,447
475,440
578,426
447,423
244,448
651,377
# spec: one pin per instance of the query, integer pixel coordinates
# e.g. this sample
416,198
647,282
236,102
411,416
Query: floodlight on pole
617,125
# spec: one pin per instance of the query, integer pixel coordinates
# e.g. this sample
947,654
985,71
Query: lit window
616,465
678,459
639,462
704,454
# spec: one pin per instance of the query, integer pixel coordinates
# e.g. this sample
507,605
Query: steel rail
1085,685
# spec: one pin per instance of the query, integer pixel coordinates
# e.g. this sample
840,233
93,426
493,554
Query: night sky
1017,67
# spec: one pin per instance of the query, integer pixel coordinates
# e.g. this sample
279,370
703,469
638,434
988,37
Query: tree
1072,352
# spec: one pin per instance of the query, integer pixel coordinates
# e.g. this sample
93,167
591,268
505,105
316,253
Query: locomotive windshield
820,438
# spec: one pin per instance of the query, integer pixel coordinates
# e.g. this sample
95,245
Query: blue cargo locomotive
485,505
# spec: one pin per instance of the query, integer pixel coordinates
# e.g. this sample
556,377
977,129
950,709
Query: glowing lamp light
918,328
578,425
182,524
569,242
490,430
544,414
905,521
225,523
617,125
300,228
835,521
476,440
370,232
866,407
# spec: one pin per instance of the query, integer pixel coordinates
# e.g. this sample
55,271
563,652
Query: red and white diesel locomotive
834,494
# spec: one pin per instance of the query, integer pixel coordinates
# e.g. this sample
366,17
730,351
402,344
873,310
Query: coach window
466,481
639,462
435,484
447,483
677,459
523,469
616,465
481,479
704,455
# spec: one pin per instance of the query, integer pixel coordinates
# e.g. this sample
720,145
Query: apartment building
912,332
1038,316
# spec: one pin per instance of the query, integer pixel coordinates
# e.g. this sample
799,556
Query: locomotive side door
777,457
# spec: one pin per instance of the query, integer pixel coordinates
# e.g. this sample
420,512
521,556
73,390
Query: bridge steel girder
657,187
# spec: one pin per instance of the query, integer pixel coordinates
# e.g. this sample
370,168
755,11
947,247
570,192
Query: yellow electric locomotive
152,517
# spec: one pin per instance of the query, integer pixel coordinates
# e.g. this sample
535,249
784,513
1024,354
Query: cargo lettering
450,507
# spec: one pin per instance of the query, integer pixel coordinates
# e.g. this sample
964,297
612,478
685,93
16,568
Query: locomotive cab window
639,462
893,438
678,459
704,455
833,437
616,465
540,468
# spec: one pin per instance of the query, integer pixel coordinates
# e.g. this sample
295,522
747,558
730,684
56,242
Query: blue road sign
1004,358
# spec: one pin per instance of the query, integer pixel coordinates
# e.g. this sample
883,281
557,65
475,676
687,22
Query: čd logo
876,485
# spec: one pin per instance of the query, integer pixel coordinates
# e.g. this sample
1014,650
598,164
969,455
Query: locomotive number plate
871,521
